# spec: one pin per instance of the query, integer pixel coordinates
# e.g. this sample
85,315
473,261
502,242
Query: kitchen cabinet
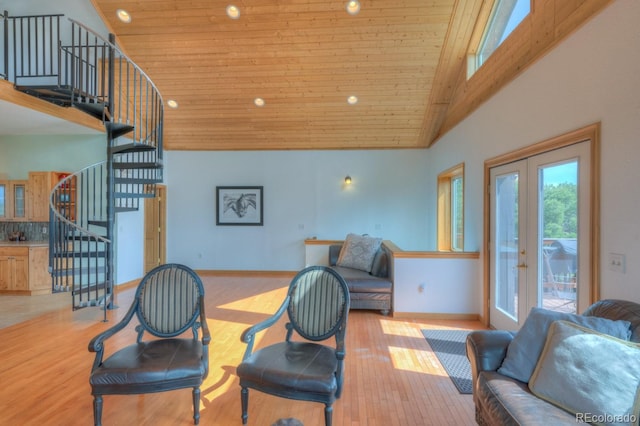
28,200
18,190
39,192
13,200
23,269
40,186
65,198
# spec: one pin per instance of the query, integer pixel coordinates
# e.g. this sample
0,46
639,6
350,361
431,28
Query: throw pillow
358,252
589,374
525,348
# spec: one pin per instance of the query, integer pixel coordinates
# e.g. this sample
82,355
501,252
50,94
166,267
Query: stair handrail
60,217
154,101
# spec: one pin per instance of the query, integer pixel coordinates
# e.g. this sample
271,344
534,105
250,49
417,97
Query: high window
505,16
451,209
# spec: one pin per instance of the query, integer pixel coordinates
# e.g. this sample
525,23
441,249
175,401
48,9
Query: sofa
368,290
549,395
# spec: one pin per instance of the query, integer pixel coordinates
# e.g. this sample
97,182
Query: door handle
522,265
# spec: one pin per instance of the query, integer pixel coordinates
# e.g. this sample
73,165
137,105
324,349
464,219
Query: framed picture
239,205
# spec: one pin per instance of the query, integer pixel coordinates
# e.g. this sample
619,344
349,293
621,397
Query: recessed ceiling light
352,100
259,102
233,12
123,15
353,7
172,103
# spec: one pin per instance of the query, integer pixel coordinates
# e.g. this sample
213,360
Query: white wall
304,196
591,77
21,154
435,285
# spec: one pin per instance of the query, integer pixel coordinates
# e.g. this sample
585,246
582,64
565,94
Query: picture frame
239,205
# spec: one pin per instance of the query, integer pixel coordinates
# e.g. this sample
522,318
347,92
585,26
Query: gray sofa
502,400
372,290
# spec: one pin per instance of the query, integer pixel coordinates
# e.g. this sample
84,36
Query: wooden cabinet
39,192
13,200
14,269
65,197
23,270
18,189
40,186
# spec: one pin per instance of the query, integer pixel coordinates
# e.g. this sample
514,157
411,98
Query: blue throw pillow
525,348
589,374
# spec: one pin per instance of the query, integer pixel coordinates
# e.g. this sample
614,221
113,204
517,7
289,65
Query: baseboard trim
435,316
128,284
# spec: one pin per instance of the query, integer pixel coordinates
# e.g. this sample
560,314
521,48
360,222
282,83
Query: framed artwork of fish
239,205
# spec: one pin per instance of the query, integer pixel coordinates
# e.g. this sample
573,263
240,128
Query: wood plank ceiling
304,58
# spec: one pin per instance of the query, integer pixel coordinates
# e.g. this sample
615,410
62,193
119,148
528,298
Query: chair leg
196,406
328,414
244,398
97,410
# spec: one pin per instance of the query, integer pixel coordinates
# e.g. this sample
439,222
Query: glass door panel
3,200
19,191
558,236
507,281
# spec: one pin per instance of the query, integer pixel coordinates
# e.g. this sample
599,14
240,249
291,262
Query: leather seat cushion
303,366
507,401
363,282
158,362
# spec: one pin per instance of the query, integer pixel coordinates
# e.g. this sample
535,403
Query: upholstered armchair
317,305
168,303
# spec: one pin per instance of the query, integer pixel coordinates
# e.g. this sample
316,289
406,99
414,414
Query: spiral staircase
64,62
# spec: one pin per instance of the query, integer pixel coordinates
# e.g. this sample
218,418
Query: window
505,17
451,209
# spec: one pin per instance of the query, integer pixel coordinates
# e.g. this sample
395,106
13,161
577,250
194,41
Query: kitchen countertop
7,243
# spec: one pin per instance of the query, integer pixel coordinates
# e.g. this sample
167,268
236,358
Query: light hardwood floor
392,377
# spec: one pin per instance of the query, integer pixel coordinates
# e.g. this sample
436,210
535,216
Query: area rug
449,347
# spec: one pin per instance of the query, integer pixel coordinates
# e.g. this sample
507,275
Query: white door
540,235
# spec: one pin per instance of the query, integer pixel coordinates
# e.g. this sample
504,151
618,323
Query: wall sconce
347,180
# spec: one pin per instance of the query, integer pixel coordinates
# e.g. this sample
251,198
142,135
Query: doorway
542,244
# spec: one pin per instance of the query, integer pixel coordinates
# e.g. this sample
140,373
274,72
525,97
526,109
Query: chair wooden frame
168,302
304,370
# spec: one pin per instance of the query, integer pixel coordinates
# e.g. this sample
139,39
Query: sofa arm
486,349
334,254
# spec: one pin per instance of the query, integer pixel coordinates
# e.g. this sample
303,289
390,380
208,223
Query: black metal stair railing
4,46
77,241
74,66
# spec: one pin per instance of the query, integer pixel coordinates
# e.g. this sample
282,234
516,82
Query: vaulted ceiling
404,60
304,58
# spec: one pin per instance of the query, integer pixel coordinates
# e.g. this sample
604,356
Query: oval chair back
168,300
319,303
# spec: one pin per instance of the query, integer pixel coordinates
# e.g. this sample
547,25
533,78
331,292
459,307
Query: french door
540,228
